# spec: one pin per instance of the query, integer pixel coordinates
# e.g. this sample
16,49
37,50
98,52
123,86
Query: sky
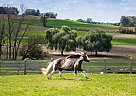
98,10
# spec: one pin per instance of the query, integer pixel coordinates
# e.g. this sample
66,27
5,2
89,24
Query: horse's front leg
75,72
85,74
60,74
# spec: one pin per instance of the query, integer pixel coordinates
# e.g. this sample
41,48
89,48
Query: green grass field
42,32
124,41
97,85
36,32
70,23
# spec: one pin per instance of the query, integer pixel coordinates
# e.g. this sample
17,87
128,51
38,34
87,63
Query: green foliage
95,42
43,20
61,39
97,85
9,10
31,49
50,14
32,12
65,39
128,21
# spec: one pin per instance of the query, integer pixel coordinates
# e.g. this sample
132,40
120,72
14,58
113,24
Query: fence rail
96,66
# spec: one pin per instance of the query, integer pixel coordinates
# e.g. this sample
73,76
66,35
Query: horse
70,63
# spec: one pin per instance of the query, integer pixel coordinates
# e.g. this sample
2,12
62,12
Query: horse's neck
79,61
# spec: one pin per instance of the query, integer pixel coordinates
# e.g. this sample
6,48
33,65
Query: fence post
18,67
25,67
131,61
104,65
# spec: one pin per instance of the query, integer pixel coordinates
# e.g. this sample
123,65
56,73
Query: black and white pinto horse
70,63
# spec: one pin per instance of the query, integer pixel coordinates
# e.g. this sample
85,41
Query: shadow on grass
70,79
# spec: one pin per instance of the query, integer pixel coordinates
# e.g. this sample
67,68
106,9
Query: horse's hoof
48,77
87,77
63,78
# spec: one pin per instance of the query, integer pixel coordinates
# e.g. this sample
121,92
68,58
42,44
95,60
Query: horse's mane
73,56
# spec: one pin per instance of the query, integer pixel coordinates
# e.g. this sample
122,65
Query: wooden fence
101,66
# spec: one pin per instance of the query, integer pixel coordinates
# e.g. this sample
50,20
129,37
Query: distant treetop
9,10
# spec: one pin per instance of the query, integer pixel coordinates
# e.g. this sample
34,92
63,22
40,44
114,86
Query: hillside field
97,85
70,23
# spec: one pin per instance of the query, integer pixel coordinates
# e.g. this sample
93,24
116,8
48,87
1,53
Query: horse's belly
68,65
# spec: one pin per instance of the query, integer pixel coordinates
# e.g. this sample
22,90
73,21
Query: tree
43,19
14,32
50,14
63,39
31,49
80,20
128,21
89,20
2,35
32,12
97,42
9,10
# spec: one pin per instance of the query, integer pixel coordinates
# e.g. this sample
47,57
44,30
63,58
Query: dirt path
123,49
116,49
118,35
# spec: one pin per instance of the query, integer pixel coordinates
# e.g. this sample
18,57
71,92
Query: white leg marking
76,76
60,73
85,74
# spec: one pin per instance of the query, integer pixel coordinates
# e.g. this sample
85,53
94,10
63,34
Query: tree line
66,39
12,34
128,21
14,11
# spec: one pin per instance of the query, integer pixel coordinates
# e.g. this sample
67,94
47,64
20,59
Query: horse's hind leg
49,76
85,74
60,74
53,70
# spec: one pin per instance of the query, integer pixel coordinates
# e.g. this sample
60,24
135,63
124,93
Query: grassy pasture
70,23
35,20
36,32
124,41
97,85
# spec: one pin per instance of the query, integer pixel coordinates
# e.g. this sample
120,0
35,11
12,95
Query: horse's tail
48,70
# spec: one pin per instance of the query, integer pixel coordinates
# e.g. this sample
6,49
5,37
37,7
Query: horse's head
85,57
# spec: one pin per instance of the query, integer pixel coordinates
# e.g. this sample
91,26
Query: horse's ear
83,53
